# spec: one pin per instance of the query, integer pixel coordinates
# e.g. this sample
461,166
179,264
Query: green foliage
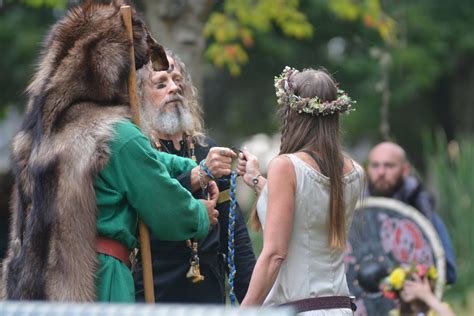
370,12
231,55
45,3
237,25
431,70
235,28
21,30
450,165
257,241
236,107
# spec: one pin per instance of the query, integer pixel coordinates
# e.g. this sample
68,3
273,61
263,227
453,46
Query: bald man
387,169
388,174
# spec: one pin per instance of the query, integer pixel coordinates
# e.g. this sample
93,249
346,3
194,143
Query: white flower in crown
314,106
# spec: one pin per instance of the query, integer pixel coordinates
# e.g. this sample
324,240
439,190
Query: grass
450,166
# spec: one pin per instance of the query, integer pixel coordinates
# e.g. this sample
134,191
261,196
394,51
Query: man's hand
211,203
213,191
219,161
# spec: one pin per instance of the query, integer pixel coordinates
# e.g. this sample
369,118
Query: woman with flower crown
306,204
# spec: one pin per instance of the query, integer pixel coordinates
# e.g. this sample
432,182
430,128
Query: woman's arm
277,232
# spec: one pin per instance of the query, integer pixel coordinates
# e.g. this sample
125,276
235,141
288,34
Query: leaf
46,3
371,14
234,28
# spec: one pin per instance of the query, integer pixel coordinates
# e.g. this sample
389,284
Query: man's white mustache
174,98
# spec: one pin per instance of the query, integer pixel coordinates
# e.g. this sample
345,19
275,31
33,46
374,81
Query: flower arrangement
314,106
392,285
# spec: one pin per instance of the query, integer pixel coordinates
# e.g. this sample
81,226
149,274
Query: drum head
386,233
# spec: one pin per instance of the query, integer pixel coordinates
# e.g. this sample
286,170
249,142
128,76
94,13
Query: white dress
311,268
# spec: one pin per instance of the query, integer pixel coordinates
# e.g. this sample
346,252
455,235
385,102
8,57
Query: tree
181,26
429,75
429,46
231,26
21,30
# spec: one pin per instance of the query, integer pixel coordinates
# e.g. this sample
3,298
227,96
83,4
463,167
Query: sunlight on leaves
233,30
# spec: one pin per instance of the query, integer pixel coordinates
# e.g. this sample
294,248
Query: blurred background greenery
408,63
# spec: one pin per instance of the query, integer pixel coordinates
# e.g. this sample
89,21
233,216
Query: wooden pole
145,248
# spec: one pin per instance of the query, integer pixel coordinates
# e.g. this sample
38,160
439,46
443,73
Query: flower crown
285,96
393,283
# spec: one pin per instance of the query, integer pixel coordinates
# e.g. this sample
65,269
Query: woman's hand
416,289
248,166
420,289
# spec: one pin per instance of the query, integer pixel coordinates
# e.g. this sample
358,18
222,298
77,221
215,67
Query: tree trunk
179,25
384,59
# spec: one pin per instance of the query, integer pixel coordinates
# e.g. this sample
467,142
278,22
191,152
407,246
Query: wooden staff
145,248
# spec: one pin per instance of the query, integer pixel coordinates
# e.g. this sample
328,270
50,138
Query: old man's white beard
176,120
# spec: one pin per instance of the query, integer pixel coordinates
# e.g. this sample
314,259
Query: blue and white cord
231,239
206,170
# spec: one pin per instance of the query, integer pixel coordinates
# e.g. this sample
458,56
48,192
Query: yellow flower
397,278
432,273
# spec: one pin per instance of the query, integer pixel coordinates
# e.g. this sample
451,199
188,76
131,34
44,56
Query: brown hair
415,307
301,131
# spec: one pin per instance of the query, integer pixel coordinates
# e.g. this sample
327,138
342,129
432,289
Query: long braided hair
321,134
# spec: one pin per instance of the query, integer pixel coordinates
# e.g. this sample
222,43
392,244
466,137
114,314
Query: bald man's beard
376,190
165,121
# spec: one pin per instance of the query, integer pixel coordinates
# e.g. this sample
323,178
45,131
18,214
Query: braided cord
203,166
230,230
231,239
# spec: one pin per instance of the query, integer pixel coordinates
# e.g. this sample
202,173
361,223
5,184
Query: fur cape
78,92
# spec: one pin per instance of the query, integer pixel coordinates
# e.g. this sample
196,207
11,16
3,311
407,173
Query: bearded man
84,174
172,118
388,173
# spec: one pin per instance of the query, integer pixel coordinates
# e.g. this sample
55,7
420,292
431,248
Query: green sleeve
176,165
167,208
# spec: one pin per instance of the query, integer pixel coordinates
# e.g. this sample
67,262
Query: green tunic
137,180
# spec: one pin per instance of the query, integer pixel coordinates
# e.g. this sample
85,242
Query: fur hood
78,93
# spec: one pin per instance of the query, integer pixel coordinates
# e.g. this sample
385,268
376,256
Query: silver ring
222,152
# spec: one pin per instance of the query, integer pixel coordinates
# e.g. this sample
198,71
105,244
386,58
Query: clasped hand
210,204
219,161
248,166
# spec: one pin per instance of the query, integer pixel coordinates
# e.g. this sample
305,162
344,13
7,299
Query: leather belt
224,196
323,302
114,249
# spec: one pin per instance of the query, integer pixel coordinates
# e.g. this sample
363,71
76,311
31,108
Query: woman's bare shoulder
349,165
281,166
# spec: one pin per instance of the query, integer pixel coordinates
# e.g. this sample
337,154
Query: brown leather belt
114,249
322,302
